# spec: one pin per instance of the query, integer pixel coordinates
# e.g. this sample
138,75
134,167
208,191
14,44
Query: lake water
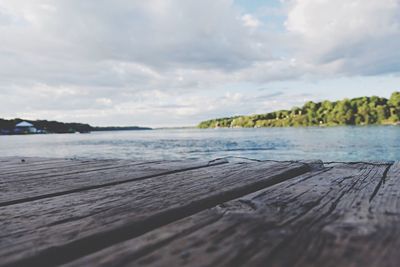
328,144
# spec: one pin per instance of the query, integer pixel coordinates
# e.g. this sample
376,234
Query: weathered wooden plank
368,233
30,172
56,230
17,159
24,169
331,239
51,185
75,167
72,167
29,163
133,251
312,220
129,252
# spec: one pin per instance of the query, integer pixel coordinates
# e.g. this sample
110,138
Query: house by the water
24,127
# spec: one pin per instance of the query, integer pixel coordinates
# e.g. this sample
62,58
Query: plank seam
86,188
382,181
70,251
87,171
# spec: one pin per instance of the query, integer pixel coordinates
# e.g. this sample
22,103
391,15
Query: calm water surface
328,144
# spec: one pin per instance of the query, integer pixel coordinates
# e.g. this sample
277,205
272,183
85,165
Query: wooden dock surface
225,212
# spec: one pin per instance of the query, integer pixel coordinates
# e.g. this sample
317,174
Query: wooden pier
225,212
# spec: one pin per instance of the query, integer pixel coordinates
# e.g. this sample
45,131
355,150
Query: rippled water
328,144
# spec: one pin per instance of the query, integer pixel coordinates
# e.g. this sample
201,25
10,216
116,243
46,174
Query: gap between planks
132,178
305,221
126,228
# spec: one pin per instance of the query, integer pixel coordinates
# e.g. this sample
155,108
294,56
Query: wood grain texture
22,163
141,250
89,177
59,229
342,216
369,236
26,171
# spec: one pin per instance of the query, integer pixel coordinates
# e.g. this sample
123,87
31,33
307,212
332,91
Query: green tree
358,111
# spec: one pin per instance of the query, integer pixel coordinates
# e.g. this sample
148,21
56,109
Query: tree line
356,111
48,126
62,127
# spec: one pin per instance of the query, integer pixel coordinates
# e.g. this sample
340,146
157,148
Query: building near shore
24,127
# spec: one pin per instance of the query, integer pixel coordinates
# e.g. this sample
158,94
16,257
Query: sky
167,63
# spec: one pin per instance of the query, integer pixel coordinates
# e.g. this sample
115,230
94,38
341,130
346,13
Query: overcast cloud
170,62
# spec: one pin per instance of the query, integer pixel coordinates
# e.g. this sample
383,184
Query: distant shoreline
120,128
372,110
22,127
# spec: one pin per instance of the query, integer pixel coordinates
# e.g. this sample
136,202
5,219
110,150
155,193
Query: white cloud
350,37
127,60
250,21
